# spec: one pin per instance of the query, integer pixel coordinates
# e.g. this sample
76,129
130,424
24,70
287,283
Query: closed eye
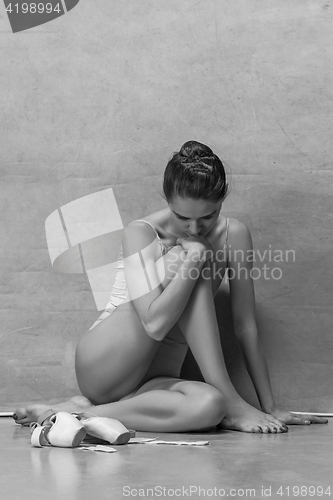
185,218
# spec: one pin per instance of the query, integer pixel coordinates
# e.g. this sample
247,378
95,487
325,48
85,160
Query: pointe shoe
107,429
57,429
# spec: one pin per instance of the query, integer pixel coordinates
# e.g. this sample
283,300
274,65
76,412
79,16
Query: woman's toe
20,415
275,421
21,421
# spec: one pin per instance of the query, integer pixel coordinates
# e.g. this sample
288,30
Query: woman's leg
162,404
167,404
199,326
113,357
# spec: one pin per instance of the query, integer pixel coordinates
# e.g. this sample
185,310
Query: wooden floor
234,464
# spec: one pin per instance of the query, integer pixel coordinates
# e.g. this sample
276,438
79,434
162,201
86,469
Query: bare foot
31,412
243,417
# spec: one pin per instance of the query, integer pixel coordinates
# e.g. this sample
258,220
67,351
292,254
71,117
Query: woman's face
194,217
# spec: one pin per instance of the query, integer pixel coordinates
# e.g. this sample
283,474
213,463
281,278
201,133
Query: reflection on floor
234,464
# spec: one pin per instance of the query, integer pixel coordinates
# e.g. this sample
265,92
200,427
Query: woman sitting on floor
170,267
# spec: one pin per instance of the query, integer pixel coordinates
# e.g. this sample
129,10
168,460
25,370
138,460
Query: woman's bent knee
213,406
209,405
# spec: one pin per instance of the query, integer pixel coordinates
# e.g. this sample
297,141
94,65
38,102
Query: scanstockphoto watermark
218,492
250,264
189,491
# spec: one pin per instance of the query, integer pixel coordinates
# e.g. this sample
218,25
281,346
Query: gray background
100,98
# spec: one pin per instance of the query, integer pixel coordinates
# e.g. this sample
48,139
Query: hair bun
193,150
195,172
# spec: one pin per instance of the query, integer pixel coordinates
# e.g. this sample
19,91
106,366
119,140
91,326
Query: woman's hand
295,419
196,247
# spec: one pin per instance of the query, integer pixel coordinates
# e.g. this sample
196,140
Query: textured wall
100,98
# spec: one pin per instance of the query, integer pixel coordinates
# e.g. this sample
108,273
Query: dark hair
195,172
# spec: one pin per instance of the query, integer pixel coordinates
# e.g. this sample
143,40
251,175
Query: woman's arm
159,288
243,311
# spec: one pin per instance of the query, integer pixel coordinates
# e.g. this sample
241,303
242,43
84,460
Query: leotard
119,292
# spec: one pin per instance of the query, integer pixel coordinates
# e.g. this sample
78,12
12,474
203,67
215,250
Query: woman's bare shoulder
160,221
237,225
238,231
